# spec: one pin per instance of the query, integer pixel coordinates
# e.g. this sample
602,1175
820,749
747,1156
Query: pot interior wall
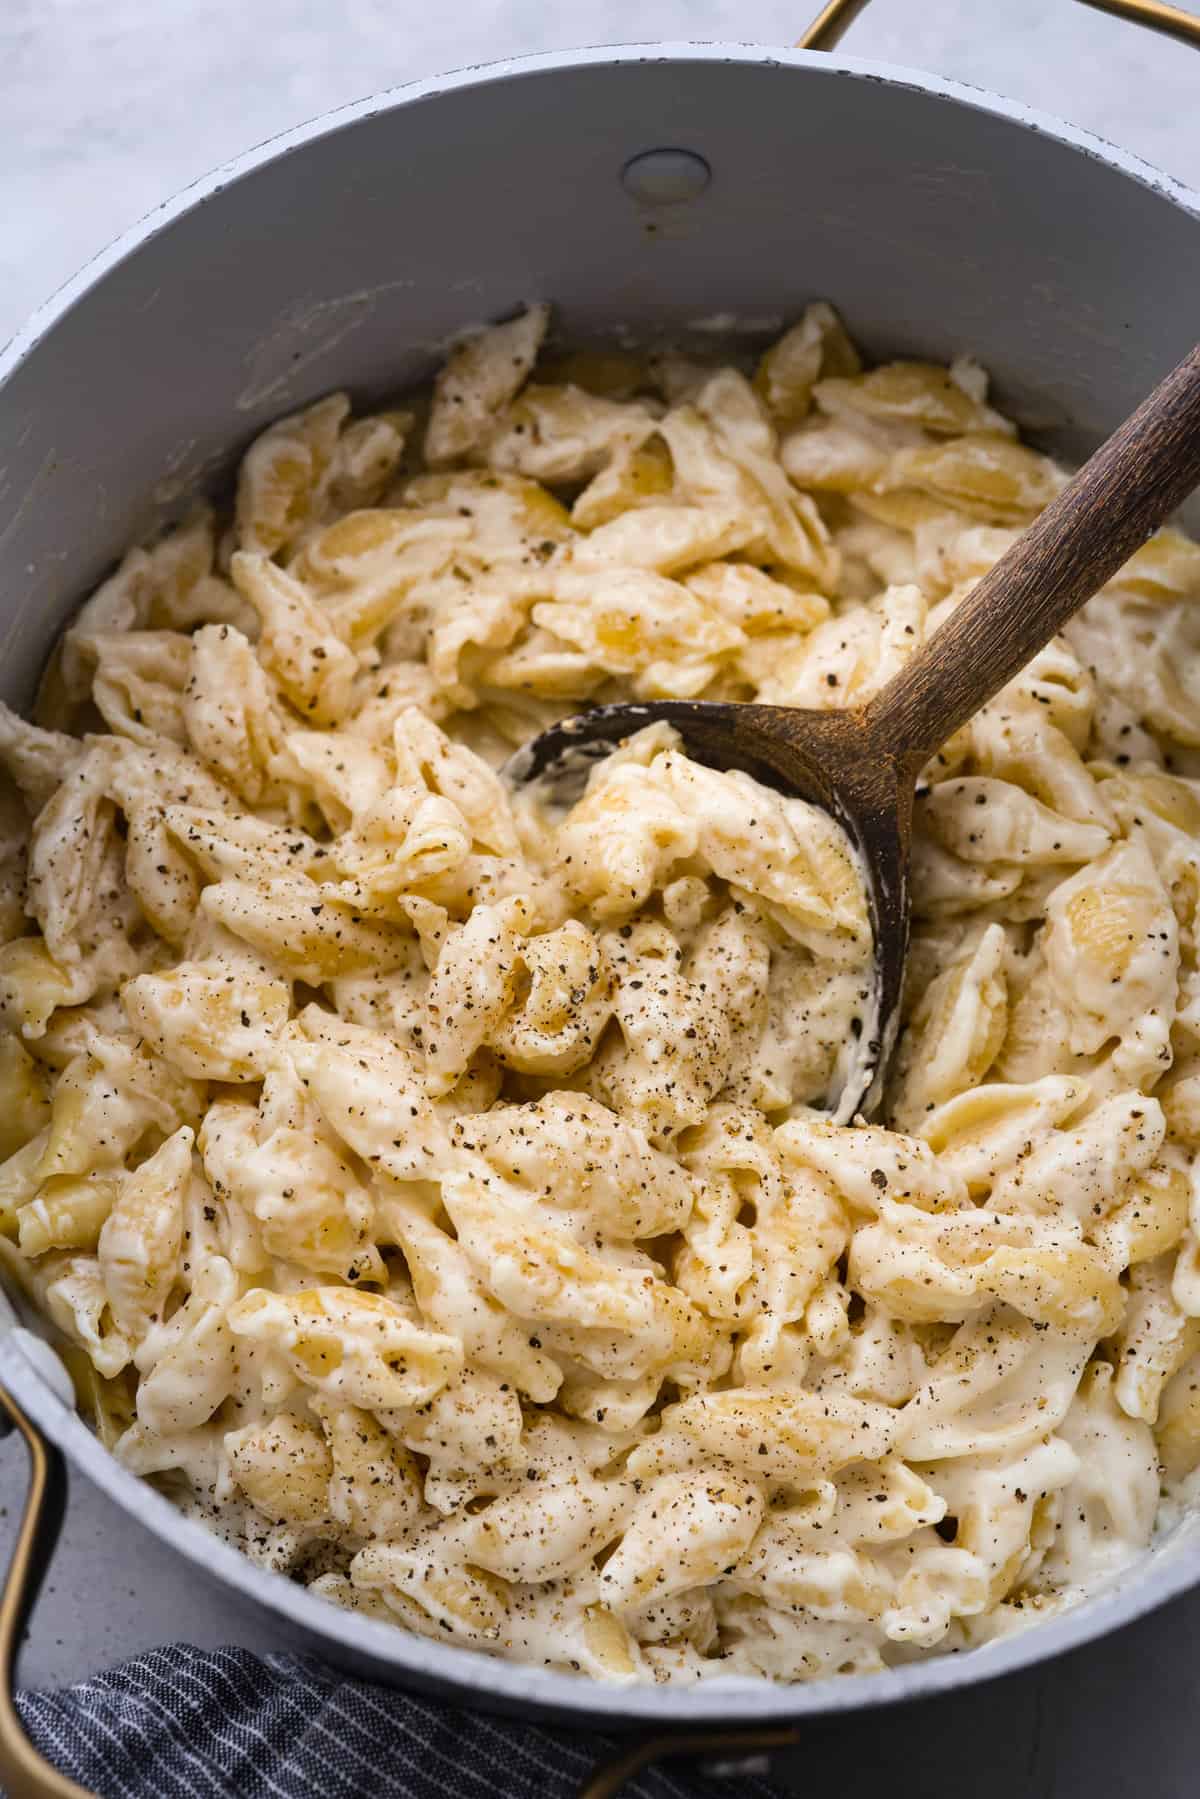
347,259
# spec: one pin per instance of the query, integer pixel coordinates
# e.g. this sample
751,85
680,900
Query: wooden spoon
862,764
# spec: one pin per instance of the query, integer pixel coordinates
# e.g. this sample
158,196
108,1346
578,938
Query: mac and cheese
434,1189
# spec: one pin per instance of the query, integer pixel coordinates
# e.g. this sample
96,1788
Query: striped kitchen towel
182,1723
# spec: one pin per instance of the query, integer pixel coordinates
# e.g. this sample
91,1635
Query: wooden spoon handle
1118,498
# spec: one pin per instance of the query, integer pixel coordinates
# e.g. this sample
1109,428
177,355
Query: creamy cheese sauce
433,1183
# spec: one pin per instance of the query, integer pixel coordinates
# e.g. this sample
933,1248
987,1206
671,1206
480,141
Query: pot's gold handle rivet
665,177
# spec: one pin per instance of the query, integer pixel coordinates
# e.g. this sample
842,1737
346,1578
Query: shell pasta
431,1184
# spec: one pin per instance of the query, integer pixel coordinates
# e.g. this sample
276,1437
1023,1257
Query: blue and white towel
184,1723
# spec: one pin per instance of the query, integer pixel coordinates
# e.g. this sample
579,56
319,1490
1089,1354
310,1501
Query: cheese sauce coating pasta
433,1191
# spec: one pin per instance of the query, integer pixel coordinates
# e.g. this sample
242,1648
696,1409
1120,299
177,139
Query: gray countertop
107,108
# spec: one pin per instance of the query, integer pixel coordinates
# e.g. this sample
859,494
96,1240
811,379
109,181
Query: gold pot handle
837,17
24,1774
722,1754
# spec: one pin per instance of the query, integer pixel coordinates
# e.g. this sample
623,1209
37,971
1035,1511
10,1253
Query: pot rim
469,1674
472,1676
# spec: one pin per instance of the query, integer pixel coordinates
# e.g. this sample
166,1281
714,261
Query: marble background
106,109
